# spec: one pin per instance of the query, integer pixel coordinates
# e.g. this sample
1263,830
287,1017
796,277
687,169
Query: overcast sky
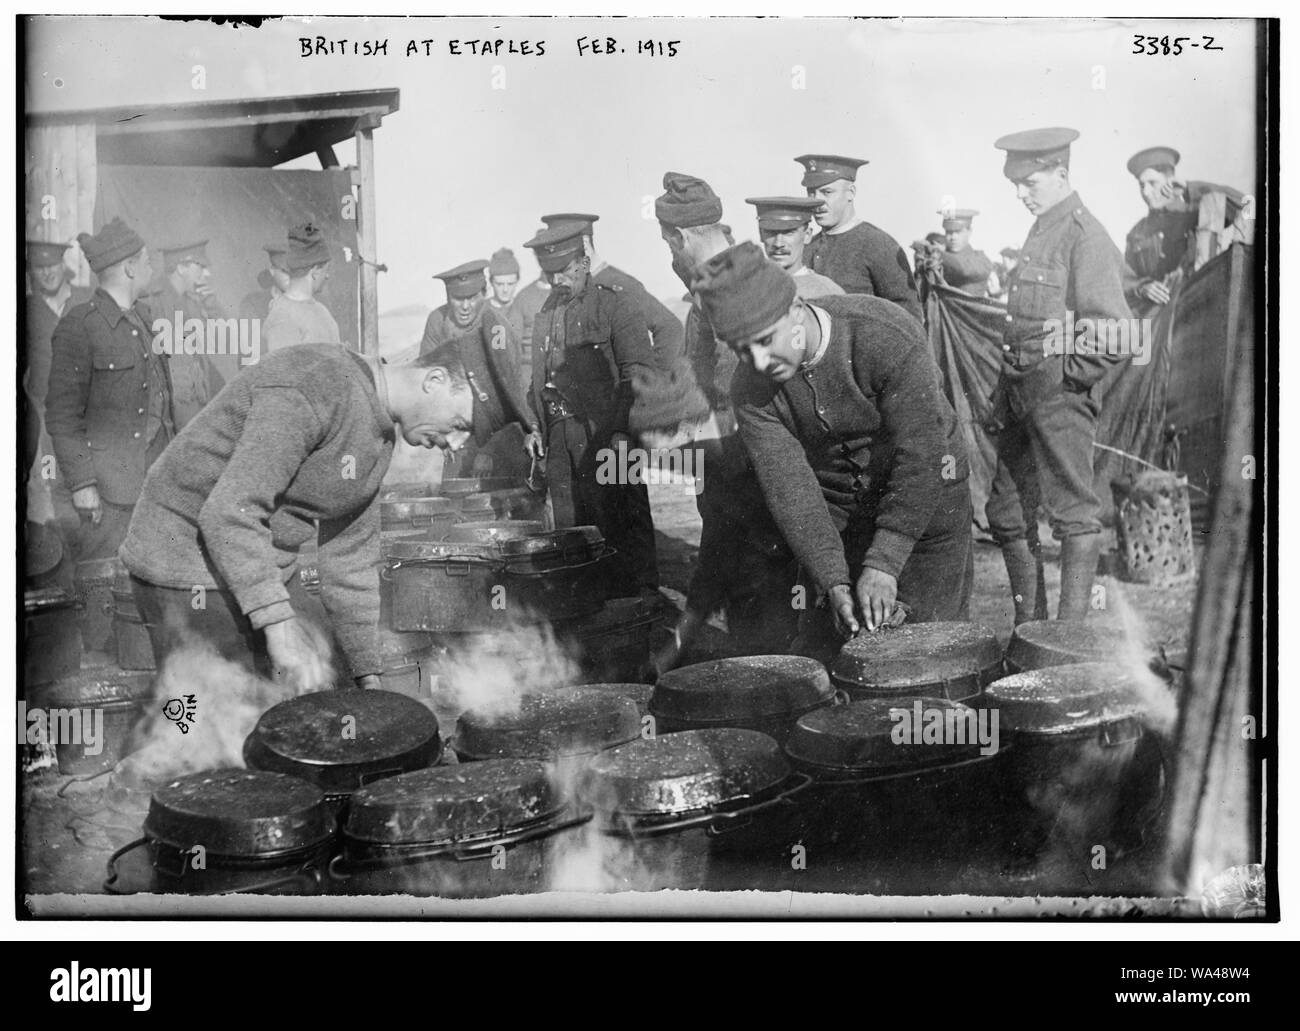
464,168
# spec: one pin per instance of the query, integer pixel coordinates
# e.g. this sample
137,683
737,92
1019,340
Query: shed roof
258,133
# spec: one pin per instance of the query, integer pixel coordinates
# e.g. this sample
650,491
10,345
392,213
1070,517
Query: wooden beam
367,242
327,157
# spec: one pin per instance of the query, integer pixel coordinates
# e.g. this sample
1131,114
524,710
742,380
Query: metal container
408,663
614,643
514,503
226,831
1082,766
93,585
469,831
429,516
130,631
1054,642
342,740
638,693
919,660
447,587
110,698
766,693
548,727
489,532
51,636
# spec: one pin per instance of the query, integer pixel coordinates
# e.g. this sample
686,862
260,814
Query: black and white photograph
686,468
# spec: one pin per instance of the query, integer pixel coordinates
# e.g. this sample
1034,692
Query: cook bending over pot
304,436
854,446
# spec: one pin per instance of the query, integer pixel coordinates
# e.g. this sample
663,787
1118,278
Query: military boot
1025,571
1078,566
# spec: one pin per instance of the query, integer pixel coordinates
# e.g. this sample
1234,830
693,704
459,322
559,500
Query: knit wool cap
503,263
307,248
664,399
742,292
113,243
688,201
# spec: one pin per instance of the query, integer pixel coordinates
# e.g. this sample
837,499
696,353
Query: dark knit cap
664,399
503,263
742,292
688,201
113,243
307,248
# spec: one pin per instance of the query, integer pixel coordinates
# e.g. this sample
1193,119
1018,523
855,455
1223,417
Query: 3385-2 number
1166,45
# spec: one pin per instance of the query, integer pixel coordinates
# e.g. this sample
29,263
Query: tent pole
366,240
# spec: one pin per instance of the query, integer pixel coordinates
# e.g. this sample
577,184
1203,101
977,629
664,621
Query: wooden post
366,236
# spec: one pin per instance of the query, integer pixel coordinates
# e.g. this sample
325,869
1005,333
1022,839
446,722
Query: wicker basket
1153,526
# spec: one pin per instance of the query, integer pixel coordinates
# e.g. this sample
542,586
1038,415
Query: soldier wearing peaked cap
1045,408
466,297
591,345
965,268
186,293
860,257
783,229
1157,246
109,406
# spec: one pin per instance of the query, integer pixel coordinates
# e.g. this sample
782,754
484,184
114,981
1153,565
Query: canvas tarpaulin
237,210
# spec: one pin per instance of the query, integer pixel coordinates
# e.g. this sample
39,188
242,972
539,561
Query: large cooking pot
931,660
613,643
490,531
1083,767
93,585
766,693
468,831
638,693
550,727
448,587
51,636
80,702
429,516
408,663
225,831
342,740
1056,642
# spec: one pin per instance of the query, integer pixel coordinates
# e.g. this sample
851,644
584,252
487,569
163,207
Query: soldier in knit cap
297,317
853,443
860,257
109,406
591,342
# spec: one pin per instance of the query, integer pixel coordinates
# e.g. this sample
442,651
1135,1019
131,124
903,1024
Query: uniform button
1008,318
139,411
1006,347
135,332
1040,278
136,435
144,386
1014,288
110,365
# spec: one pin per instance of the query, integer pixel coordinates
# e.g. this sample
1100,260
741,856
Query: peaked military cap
1150,157
1035,149
820,169
783,213
464,280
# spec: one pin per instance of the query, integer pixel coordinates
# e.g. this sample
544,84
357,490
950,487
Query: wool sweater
865,260
864,436
299,437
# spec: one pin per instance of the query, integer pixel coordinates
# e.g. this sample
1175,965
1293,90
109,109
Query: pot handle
602,555
1121,733
725,823
374,775
110,884
308,873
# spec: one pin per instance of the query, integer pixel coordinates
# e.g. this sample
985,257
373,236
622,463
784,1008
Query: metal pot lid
639,693
865,738
239,813
676,774
615,615
743,689
448,804
577,543
908,658
549,726
487,532
339,739
397,491
1057,642
1076,698
476,485
97,687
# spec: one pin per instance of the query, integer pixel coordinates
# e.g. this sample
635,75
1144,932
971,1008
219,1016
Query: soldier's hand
298,656
534,446
876,591
840,602
1155,291
87,503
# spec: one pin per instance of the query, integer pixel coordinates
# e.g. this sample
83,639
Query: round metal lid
916,656
880,736
448,804
96,687
675,774
340,739
487,532
239,813
639,693
1070,699
549,726
742,689
1055,642
574,544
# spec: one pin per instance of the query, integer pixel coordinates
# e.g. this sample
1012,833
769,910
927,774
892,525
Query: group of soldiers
835,494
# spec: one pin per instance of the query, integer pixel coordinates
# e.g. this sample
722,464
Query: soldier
591,345
466,299
1045,408
854,253
272,282
665,328
527,303
186,293
109,406
965,268
503,278
1010,259
784,232
297,317
854,446
1157,245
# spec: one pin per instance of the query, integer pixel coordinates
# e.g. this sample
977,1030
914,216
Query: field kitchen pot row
748,750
